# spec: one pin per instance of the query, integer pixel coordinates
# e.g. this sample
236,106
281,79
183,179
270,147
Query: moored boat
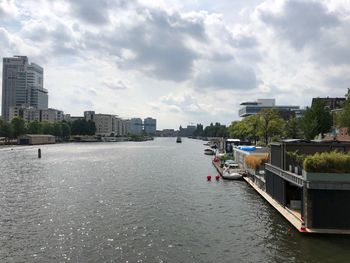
178,139
209,152
232,172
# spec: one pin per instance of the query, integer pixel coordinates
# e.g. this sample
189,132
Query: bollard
39,153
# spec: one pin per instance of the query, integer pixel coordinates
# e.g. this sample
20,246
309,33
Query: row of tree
268,125
63,129
213,130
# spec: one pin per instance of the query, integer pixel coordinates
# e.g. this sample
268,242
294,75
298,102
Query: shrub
226,157
254,162
328,162
296,158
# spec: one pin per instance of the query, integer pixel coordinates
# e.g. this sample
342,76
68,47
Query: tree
270,125
343,117
57,129
252,123
83,127
239,130
18,126
47,128
34,127
216,130
316,120
91,128
199,130
66,131
5,129
293,128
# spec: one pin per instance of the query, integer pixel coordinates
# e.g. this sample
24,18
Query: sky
181,62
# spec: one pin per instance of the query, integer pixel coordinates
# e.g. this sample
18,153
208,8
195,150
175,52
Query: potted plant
292,156
327,167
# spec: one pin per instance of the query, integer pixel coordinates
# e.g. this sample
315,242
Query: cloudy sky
180,61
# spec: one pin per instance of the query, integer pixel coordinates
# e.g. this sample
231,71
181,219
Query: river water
140,202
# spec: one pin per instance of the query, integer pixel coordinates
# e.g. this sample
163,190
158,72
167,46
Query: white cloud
180,61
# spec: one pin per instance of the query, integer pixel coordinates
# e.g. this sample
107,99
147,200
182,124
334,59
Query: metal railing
288,176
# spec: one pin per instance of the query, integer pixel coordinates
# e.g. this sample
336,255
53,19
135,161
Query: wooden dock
218,167
292,216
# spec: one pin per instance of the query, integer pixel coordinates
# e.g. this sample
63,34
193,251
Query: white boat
178,139
232,172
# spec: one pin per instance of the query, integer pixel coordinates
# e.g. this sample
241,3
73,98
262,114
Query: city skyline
180,63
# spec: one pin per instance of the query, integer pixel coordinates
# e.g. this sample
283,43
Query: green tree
293,128
253,123
239,130
271,124
317,120
199,130
90,128
343,117
57,129
47,128
66,131
83,127
5,129
18,126
216,130
34,127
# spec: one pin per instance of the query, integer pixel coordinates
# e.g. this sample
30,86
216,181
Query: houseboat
312,203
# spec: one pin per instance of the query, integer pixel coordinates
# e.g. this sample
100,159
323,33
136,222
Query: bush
328,162
254,162
226,157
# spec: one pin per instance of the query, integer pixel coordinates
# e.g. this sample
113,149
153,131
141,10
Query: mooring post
39,153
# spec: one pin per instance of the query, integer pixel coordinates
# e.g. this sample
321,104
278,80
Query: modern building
104,124
135,126
150,126
22,85
33,114
188,131
107,124
253,107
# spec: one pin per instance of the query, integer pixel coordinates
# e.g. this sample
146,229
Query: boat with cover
178,139
232,172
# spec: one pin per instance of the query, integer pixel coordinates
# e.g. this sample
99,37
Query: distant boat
178,139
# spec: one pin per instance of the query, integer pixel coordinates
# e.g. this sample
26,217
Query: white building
33,114
107,124
104,124
150,126
52,115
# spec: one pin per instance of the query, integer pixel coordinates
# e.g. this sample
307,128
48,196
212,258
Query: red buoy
209,178
217,177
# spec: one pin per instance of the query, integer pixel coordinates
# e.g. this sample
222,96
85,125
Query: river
140,202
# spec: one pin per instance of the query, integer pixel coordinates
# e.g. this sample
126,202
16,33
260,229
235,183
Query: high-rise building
135,126
150,126
22,85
